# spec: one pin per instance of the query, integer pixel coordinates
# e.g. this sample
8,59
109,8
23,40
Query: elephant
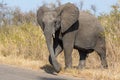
66,28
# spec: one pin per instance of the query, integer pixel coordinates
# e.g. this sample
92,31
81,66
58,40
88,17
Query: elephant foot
81,64
80,67
68,67
57,67
55,64
105,66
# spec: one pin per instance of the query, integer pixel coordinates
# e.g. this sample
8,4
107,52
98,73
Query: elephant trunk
49,41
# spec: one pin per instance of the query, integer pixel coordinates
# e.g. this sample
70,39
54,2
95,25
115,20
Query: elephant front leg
68,57
68,42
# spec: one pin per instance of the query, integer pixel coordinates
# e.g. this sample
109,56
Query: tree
93,7
58,2
30,17
6,14
81,5
116,14
2,13
17,16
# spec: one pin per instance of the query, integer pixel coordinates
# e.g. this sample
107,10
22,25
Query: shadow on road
44,78
48,69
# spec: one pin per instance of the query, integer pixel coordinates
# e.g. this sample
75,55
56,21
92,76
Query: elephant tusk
53,35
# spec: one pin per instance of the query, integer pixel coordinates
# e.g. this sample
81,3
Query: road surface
15,73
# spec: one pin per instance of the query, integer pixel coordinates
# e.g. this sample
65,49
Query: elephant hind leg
102,54
82,60
101,50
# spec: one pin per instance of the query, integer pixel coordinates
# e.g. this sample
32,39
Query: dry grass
25,46
21,62
25,40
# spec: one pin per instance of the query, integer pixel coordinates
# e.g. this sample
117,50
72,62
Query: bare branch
93,7
81,5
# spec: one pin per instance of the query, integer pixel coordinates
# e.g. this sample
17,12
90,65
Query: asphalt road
15,73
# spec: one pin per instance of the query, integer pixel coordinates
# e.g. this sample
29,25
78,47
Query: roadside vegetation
22,43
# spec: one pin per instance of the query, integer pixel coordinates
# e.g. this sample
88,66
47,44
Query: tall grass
26,41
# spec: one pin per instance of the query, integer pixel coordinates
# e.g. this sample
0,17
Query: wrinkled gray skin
65,28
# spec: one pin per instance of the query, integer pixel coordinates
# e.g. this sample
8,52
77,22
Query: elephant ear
69,15
40,14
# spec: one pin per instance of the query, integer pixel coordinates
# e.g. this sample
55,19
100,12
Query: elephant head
62,18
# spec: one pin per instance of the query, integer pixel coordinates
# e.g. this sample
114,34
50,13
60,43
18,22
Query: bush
25,40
